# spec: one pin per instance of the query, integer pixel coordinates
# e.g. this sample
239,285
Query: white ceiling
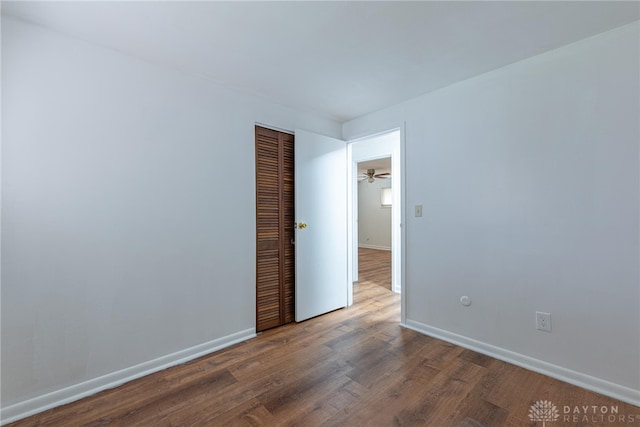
338,59
380,165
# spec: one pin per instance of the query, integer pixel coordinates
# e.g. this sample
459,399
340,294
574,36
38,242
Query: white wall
128,215
529,178
374,220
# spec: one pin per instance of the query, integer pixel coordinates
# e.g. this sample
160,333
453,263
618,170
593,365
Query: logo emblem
543,410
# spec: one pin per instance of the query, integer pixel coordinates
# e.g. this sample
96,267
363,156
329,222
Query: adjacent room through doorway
377,210
374,222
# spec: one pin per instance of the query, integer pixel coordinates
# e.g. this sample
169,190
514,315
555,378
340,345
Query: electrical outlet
543,321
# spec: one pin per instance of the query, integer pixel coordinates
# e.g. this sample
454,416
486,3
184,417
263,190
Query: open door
321,224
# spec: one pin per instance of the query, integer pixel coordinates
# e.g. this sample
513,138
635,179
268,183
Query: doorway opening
376,211
374,203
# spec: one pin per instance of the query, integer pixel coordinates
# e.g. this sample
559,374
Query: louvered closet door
275,270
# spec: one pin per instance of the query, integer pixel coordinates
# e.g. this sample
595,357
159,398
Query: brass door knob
301,225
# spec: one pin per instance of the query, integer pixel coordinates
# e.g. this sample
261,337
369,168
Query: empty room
320,213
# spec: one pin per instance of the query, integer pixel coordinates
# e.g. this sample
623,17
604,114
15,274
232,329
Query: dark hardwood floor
351,367
374,266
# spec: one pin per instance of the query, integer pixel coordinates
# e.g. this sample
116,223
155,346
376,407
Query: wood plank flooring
375,266
351,367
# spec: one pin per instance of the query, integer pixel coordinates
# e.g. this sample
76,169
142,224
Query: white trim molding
78,391
380,248
616,391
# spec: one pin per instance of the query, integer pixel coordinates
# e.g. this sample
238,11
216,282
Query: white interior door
321,216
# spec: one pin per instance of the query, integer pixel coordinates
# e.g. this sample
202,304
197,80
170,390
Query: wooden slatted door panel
267,230
288,216
275,269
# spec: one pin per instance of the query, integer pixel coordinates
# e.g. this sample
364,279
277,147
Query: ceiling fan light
370,179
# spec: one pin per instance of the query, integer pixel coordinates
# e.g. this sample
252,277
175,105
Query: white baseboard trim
380,248
78,391
616,391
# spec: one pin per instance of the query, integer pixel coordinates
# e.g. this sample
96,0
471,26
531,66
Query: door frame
398,231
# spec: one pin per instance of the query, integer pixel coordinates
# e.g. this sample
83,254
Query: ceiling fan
371,175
